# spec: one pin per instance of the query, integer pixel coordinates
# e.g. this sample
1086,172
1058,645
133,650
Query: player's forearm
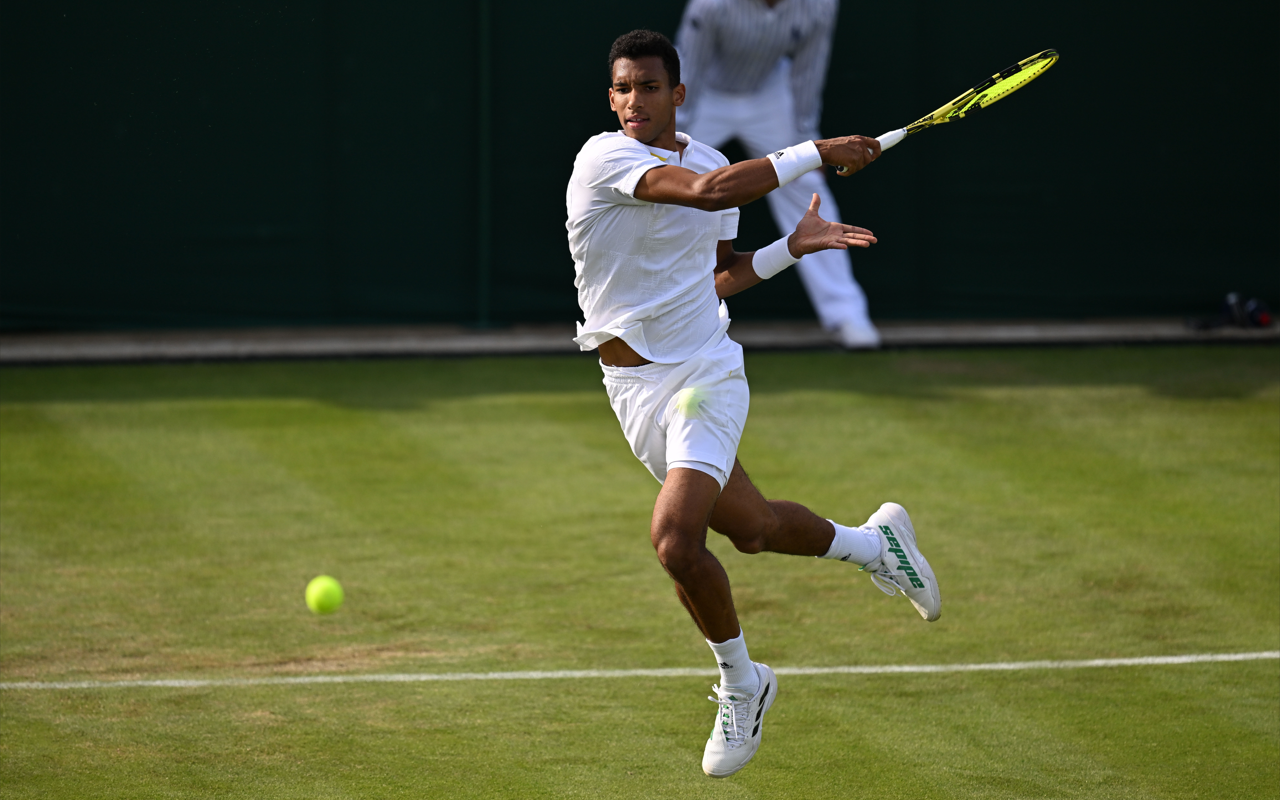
739,184
736,275
733,186
737,272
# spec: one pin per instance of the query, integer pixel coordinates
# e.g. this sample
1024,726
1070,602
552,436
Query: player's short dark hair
641,44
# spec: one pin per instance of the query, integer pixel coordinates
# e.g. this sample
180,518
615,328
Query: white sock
854,544
737,673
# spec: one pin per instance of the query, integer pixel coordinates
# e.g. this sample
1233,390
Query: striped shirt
732,46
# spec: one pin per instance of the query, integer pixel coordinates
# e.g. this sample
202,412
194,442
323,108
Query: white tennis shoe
858,335
736,736
901,567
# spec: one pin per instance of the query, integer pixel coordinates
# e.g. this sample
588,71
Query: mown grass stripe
677,672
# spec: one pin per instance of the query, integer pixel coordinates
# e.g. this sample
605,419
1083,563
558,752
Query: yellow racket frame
992,90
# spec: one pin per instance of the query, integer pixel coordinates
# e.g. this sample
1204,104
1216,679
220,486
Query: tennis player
652,215
755,70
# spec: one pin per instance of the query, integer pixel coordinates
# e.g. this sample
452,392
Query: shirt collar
672,156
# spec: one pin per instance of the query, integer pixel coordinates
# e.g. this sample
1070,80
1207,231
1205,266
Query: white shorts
684,415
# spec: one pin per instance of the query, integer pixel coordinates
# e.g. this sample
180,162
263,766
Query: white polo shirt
645,272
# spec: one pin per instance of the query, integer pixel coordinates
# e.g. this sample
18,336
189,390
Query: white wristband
769,261
795,161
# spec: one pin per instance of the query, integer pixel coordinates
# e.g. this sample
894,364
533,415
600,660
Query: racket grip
886,141
891,138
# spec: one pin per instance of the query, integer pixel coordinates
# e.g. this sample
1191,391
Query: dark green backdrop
199,163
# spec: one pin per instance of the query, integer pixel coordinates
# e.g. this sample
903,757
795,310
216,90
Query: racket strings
1013,83
997,87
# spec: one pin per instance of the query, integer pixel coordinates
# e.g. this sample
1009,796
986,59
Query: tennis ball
324,595
689,401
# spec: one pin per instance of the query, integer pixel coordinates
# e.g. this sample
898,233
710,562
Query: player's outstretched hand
848,153
814,233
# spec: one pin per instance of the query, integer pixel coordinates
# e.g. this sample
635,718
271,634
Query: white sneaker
901,567
858,336
736,736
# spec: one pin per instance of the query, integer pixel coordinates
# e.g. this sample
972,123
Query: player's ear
677,94
611,106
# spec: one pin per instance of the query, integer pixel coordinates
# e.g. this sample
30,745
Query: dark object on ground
1251,313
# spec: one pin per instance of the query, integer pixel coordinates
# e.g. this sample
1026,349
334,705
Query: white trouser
764,122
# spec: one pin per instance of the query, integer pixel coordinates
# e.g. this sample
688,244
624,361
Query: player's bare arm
643,97
739,184
735,271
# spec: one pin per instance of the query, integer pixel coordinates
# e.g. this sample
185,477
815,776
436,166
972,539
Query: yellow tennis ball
324,595
689,401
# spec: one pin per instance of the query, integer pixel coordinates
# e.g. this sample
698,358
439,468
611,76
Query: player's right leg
884,547
678,531
747,689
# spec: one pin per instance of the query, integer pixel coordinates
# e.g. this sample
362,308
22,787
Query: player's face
645,101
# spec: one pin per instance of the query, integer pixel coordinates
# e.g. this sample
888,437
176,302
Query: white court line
680,672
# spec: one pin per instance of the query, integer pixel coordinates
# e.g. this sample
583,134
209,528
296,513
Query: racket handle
886,141
891,138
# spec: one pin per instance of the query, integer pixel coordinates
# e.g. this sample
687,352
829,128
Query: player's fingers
843,241
854,229
869,236
868,146
814,203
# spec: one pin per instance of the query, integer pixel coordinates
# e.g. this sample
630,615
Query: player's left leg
757,525
885,546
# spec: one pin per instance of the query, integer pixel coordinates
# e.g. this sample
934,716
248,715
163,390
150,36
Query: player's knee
749,544
677,552
751,536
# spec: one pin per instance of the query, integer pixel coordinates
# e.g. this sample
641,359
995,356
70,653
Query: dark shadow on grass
1172,371
388,384
1176,371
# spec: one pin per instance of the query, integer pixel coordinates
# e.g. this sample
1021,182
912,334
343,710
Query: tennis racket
997,87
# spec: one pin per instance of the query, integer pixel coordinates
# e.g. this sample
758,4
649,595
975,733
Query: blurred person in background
754,70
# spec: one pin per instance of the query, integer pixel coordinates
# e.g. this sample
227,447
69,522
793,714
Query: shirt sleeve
615,167
809,69
695,42
729,225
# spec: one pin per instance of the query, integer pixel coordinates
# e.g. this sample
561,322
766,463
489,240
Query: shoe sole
764,709
900,521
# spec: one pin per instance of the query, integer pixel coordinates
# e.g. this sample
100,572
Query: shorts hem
705,467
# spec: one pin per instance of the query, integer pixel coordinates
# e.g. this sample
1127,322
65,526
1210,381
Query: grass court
161,521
